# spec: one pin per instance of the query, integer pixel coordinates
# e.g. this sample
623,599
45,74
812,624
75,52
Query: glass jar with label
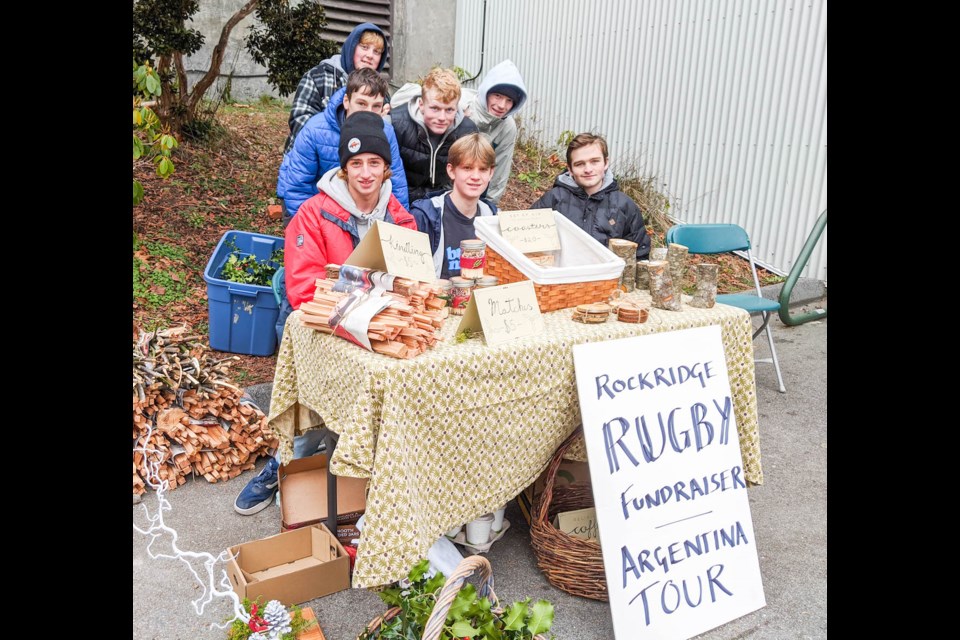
473,258
445,287
486,281
460,293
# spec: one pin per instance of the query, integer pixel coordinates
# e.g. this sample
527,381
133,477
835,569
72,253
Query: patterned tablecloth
460,430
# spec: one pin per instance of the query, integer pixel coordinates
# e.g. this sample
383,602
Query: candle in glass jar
460,293
473,258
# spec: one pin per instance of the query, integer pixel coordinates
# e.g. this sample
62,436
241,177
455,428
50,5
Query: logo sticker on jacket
300,240
354,145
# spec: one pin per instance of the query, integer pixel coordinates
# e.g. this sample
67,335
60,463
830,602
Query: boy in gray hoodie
500,95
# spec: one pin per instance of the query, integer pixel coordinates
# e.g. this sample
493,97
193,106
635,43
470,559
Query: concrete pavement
789,517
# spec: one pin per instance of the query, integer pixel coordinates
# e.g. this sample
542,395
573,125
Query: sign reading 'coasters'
679,551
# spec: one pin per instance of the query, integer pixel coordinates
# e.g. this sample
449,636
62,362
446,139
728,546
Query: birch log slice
643,275
661,286
627,250
677,257
706,294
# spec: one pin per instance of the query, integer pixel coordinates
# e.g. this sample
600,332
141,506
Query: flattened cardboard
303,494
396,250
291,567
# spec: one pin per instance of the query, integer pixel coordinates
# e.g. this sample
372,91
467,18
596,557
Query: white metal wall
724,101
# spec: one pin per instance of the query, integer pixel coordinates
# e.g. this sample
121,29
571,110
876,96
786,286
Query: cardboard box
291,567
580,523
303,494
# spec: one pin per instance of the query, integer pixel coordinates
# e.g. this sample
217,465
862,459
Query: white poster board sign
679,551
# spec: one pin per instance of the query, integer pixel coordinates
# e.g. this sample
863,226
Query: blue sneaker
259,492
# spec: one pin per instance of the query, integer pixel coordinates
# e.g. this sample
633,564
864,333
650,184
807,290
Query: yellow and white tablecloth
460,430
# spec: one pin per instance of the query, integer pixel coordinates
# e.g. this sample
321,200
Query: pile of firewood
405,329
188,418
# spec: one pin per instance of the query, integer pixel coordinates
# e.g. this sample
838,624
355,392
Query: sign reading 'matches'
505,313
530,230
679,551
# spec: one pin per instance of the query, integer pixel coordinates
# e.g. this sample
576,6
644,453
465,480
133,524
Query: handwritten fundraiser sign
505,313
396,250
530,230
679,551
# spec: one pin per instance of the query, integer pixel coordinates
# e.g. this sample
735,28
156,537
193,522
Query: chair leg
773,352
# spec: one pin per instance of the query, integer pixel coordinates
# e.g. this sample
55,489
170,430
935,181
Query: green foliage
462,74
159,28
155,287
469,616
246,269
288,42
150,139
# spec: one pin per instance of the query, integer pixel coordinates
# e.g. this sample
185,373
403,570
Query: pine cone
277,617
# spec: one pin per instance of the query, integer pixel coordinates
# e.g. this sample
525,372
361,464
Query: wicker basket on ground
572,564
434,625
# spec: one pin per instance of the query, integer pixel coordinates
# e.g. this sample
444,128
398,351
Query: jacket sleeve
504,160
637,231
304,258
423,219
302,170
308,95
399,176
546,201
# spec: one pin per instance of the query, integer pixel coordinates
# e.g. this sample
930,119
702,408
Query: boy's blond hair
444,82
375,39
472,148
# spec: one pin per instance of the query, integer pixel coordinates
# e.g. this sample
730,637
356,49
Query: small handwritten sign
530,230
580,523
505,313
396,250
679,550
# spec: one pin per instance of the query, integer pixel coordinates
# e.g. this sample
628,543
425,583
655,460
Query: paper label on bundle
530,230
505,313
352,278
396,250
351,317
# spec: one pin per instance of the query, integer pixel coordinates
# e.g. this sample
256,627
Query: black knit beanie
362,132
511,91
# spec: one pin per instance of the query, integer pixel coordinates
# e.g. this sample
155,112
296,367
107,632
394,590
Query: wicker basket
572,564
434,624
550,297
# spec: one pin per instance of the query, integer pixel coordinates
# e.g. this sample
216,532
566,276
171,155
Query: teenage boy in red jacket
326,229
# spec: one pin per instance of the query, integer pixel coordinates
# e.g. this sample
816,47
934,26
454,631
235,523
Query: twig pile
187,416
403,330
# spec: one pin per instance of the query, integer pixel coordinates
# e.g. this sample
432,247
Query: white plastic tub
581,258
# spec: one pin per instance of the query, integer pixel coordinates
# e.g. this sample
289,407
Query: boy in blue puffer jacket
315,152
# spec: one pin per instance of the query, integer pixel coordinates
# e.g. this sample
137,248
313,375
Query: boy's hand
386,110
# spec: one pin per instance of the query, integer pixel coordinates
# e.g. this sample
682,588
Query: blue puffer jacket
316,150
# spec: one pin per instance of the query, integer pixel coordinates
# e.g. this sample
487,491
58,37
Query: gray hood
566,179
504,73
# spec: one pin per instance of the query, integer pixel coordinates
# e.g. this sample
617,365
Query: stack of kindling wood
187,415
403,330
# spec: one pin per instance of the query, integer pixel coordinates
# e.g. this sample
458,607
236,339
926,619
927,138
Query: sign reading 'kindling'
678,547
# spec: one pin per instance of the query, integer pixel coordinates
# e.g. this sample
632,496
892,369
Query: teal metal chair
277,285
709,239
